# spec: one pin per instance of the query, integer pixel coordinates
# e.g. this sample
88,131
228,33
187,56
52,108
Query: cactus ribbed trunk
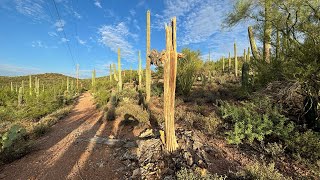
78,78
119,72
248,55
93,81
267,32
235,60
209,56
170,72
244,56
68,84
22,85
253,44
222,64
16,87
11,86
30,85
42,88
110,74
278,45
148,71
229,63
20,96
140,71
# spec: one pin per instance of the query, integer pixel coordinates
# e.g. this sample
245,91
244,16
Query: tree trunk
267,32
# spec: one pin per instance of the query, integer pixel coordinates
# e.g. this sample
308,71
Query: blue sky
33,39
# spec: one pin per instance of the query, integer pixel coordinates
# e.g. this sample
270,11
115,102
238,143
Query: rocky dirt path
68,152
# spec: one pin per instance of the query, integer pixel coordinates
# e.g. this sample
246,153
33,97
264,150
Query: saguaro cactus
248,55
170,72
244,55
77,77
11,86
30,85
235,60
119,72
110,74
22,85
20,96
148,71
209,56
115,72
267,31
222,64
68,84
229,63
253,44
93,80
140,71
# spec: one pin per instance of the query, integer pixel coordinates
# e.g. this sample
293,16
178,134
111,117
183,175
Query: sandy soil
66,153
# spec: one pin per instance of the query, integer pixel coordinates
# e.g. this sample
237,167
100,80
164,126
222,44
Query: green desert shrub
254,122
129,109
261,172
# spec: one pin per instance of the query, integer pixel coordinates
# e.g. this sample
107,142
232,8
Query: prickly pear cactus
245,75
14,133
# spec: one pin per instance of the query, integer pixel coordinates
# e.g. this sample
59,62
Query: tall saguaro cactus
77,77
222,64
140,71
235,60
253,44
248,55
148,71
267,31
110,74
30,85
93,80
119,72
68,84
11,86
20,96
229,63
170,73
115,72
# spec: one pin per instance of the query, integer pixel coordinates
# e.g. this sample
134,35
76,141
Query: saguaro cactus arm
253,44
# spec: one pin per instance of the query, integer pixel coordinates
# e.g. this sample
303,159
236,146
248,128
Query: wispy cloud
64,40
117,36
80,41
132,12
31,8
60,24
97,3
38,44
13,70
52,34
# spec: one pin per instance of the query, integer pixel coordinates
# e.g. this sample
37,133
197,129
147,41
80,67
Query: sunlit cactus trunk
115,72
131,75
16,87
22,85
11,87
235,60
244,55
30,85
170,72
140,71
222,64
148,71
229,63
119,72
209,56
42,88
253,44
267,32
20,96
110,74
77,78
93,80
68,84
248,55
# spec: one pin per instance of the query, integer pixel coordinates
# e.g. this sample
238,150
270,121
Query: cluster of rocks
149,159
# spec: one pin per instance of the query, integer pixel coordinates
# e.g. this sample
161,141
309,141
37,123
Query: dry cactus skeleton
157,58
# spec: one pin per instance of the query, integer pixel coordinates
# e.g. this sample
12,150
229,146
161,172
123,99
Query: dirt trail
66,153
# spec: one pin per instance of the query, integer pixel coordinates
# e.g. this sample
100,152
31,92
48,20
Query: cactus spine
119,72
148,61
30,85
170,72
20,96
235,60
140,72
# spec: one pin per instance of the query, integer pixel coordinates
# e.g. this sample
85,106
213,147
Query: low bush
198,174
261,172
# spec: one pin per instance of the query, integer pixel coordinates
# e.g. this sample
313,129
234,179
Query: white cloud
80,41
60,25
77,15
52,34
63,40
97,3
117,36
13,70
132,12
38,44
31,8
